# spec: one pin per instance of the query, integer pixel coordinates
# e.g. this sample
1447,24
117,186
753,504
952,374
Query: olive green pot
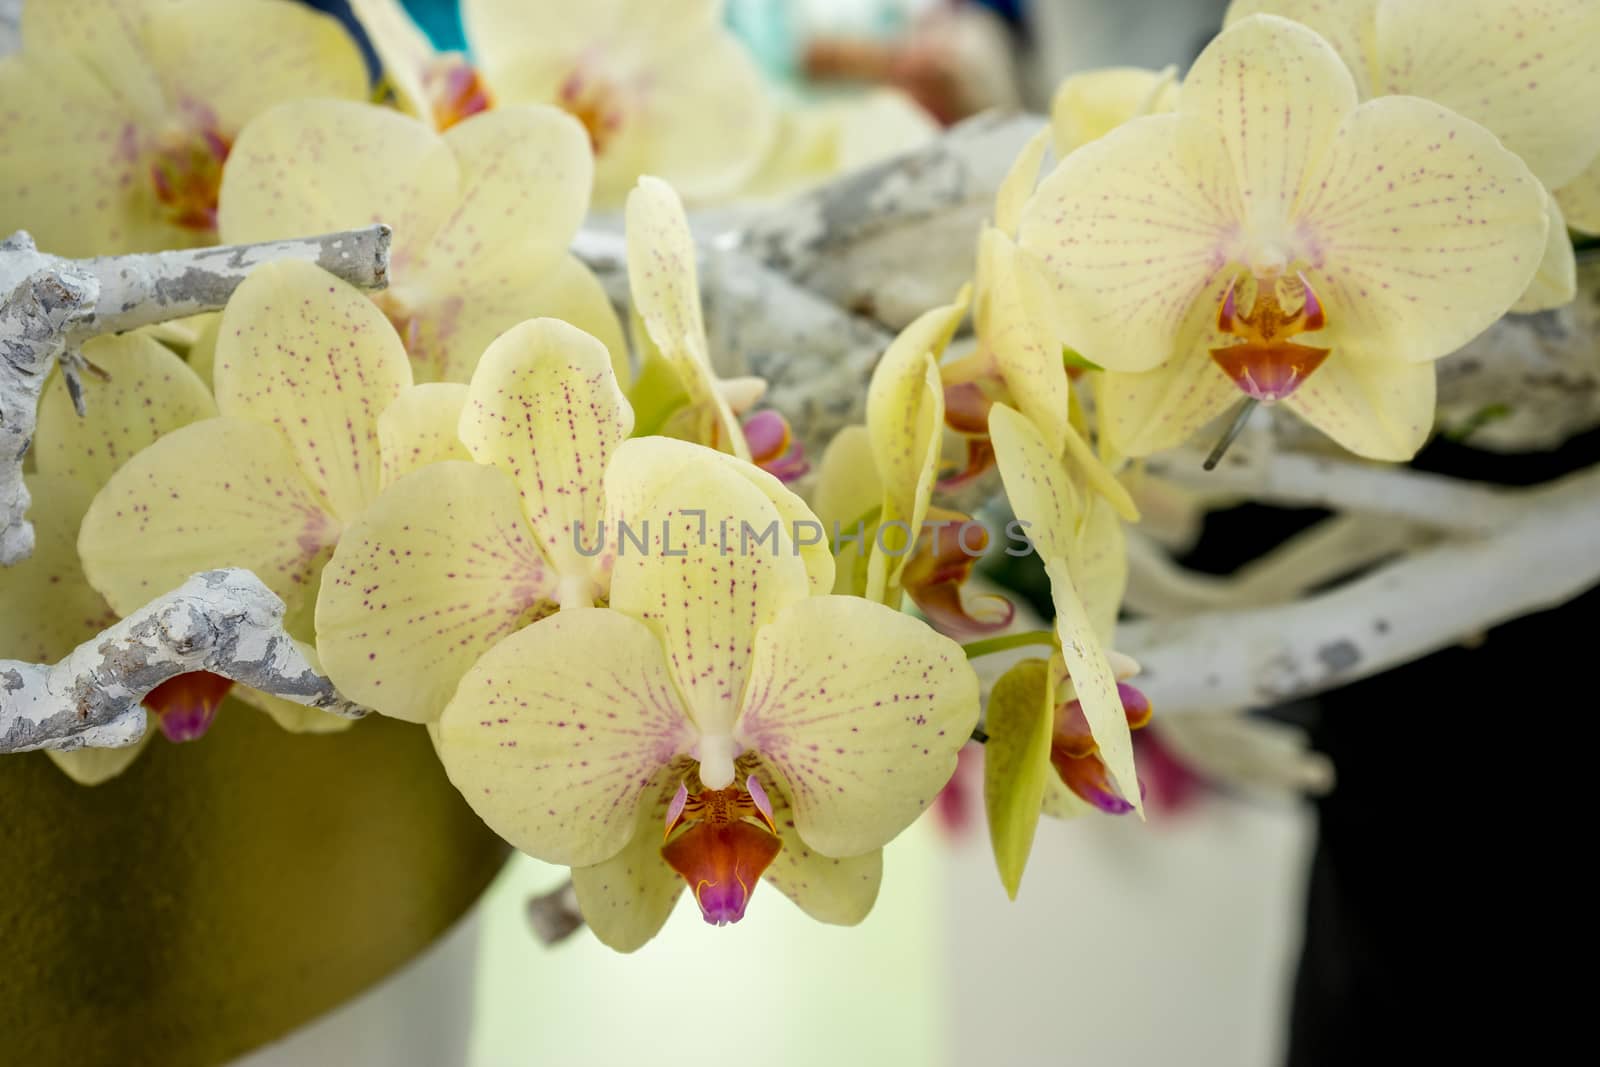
222,893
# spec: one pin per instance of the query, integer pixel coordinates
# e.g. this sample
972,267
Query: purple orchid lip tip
765,432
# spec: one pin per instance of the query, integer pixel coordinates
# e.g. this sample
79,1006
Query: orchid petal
150,392
1350,26
226,492
69,169
1276,92
544,407
708,577
629,897
665,287
420,428
847,492
862,711
1044,500
1163,408
308,354
1016,764
1094,681
905,418
47,606
1580,200
1420,231
555,750
201,48
404,52
94,766
1091,104
440,567
829,889
1556,281
1017,186
1134,233
314,166
523,190
1515,68
1013,329
1378,408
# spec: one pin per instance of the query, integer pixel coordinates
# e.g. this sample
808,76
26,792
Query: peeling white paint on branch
1542,557
225,621
50,305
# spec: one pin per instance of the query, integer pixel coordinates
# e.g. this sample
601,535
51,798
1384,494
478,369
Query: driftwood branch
49,306
1542,555
225,622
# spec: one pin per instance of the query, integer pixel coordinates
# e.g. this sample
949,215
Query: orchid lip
1264,363
720,852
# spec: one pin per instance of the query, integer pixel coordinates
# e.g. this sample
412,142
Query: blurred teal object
768,30
441,21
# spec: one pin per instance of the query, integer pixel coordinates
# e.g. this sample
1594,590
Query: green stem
1007,642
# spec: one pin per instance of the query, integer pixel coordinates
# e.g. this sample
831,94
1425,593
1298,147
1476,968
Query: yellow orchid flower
47,606
117,115
741,723
678,393
1187,253
482,216
455,555
1091,104
1517,68
661,88
305,364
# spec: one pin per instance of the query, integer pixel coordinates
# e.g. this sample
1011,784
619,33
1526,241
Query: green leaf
1016,764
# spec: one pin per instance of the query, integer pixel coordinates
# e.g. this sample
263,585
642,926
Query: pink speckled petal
1419,230
149,392
544,407
524,188
628,898
225,492
555,747
709,575
1580,200
831,890
312,166
1015,330
665,288
308,354
1275,91
861,710
1378,408
460,315
1135,233
1516,68
1350,26
441,567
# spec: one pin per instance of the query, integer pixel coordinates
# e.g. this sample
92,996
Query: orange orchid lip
1265,364
186,705
728,839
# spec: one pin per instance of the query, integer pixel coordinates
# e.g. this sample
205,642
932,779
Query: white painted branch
1346,484
225,621
1543,556
1159,588
140,290
36,314
50,305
